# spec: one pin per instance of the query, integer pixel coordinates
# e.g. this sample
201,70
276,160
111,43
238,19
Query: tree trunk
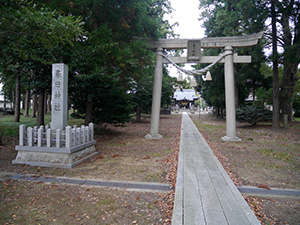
236,93
138,113
218,110
222,112
290,65
88,113
17,99
49,103
288,89
45,103
34,106
4,104
276,115
13,103
253,92
27,103
69,108
22,102
40,117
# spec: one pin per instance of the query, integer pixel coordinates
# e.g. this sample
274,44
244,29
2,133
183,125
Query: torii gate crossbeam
228,43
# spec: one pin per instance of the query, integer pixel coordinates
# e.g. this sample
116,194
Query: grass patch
118,144
156,154
107,201
276,155
10,128
268,165
210,127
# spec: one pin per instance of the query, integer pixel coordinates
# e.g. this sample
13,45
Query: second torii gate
228,43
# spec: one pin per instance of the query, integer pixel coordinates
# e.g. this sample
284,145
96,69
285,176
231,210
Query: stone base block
226,138
153,136
36,157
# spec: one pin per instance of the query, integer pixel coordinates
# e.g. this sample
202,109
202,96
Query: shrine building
185,97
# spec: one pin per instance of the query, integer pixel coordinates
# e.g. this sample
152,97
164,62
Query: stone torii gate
194,47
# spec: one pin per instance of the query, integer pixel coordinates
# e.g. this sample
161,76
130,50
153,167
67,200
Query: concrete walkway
204,192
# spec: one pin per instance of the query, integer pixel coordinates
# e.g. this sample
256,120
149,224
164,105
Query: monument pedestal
46,147
54,157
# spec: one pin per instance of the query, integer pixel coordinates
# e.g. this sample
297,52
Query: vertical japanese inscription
194,50
57,77
59,96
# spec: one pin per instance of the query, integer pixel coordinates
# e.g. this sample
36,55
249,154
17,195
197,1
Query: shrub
253,114
296,105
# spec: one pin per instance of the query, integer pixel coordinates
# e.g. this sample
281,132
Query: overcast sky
186,13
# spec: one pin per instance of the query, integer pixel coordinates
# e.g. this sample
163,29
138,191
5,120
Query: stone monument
59,96
58,145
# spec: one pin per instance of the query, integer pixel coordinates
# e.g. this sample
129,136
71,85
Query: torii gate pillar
229,97
156,97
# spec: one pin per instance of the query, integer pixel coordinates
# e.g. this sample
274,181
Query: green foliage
296,105
263,96
167,90
183,84
25,28
230,18
8,127
110,103
30,35
142,92
141,95
213,92
253,115
106,60
115,58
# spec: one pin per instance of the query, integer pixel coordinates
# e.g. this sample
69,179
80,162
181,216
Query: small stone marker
59,96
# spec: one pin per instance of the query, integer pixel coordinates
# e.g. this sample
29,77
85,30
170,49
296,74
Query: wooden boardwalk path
204,193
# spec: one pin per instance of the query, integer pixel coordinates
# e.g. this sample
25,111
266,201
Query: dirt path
123,154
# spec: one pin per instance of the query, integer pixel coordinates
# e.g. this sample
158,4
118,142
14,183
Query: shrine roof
185,94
